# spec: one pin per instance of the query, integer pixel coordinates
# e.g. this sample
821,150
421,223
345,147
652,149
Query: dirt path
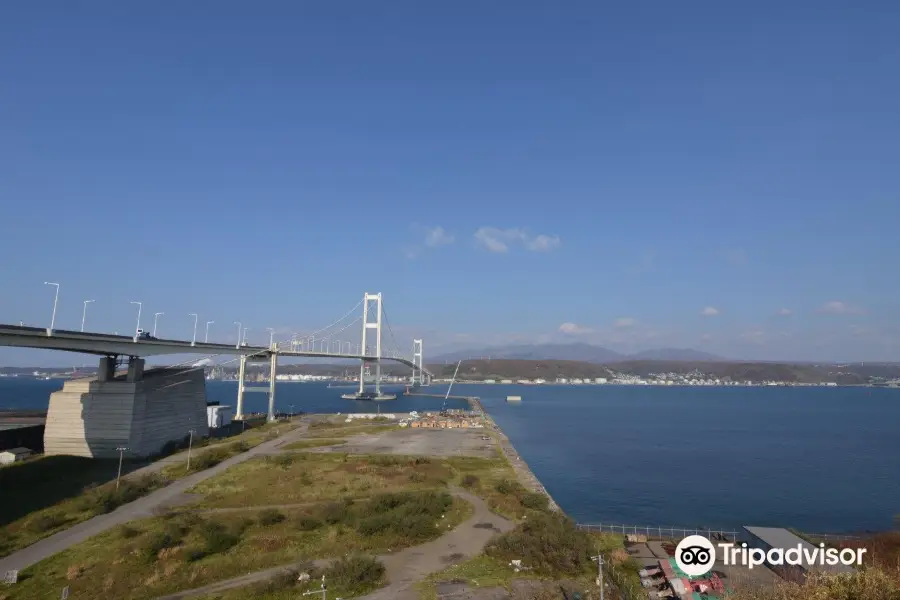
406,567
142,507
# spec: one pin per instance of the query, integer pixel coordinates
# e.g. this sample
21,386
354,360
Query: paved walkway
140,508
404,568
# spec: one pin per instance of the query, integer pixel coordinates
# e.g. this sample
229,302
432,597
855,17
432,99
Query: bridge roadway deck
104,344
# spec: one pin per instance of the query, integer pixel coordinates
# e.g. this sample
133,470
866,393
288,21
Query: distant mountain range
576,351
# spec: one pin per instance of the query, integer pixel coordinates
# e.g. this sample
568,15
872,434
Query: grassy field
74,480
360,504
299,477
335,427
313,443
347,577
554,554
495,481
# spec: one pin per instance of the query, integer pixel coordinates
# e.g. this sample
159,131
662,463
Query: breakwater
523,472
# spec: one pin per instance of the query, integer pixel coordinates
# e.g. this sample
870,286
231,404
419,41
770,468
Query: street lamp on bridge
244,341
194,339
155,319
84,314
206,339
238,323
137,328
55,299
271,336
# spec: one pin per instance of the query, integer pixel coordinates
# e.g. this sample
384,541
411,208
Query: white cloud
710,311
573,329
494,239
706,337
836,307
542,243
784,312
625,322
437,236
499,240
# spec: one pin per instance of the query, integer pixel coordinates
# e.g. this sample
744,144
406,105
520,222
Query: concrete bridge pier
242,369
140,410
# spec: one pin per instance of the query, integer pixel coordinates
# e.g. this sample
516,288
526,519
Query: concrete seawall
526,477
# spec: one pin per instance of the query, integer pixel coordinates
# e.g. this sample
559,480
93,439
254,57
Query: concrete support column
362,376
378,377
239,413
107,369
273,368
135,369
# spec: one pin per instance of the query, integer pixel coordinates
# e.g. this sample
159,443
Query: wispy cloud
624,322
498,240
710,311
574,329
542,243
785,312
836,307
437,236
431,237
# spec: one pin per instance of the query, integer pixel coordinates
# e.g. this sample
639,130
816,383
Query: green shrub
106,498
270,516
195,554
506,486
208,459
126,532
305,479
308,523
355,574
46,521
160,540
217,538
470,481
408,514
283,460
335,512
416,477
534,500
548,543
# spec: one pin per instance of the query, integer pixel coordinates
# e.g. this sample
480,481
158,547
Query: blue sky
647,175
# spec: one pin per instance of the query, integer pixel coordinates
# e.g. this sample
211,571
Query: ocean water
818,459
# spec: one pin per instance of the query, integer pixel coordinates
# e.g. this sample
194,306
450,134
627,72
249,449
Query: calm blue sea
818,459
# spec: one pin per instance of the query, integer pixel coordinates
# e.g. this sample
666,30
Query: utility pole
292,412
121,450
190,444
600,562
206,339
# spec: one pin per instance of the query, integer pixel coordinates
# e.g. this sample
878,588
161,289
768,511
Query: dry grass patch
313,443
315,477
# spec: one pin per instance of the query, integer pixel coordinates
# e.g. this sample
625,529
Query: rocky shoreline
523,471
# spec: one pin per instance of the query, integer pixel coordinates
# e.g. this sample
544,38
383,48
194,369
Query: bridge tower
418,376
367,325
